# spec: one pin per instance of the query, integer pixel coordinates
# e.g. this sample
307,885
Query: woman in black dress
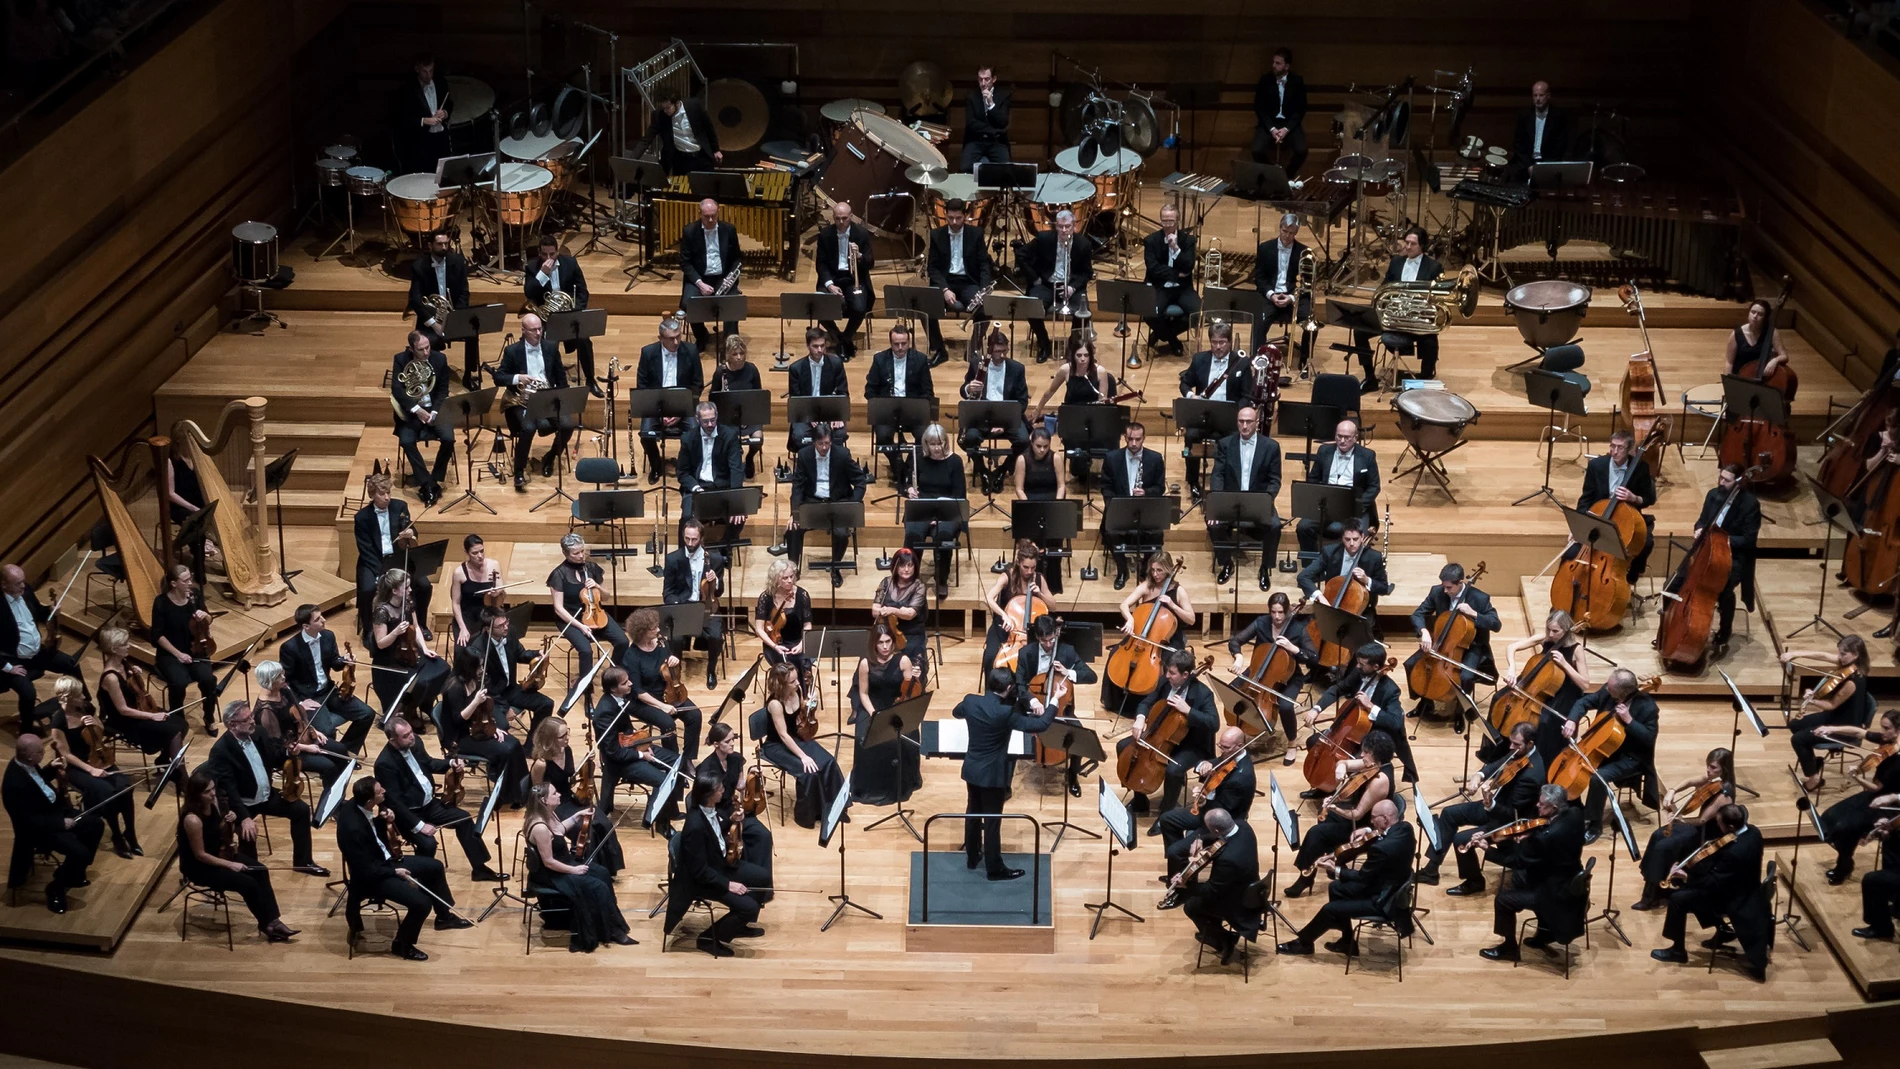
1561,640
939,474
94,775
646,659
813,768
472,578
392,621
1083,382
1746,343
172,613
276,720
507,761
888,773
899,604
551,763
1680,830
755,839
784,607
123,694
1849,820
735,373
1009,589
1042,475
202,827
1846,702
1159,583
591,914
566,582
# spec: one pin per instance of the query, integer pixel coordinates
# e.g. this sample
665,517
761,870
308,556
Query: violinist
1178,688
173,611
501,657
468,584
1181,827
817,374
1852,819
1011,609
814,770
1247,462
899,603
643,764
1046,650
464,699
991,718
571,582
1515,778
153,731
1352,555
414,884
1688,813
725,762
648,660
1880,889
1742,522
241,761
889,773
201,827
824,472
1042,475
1135,471
23,656
74,740
551,763
1842,699
394,628
700,872
1544,864
781,618
1349,808
1159,586
276,720
1635,758
939,476
1217,904
685,574
1344,462
1619,475
1370,889
901,372
996,378
1726,884
44,819
1564,645
710,459
1216,373
407,773
1453,594
307,658
1368,671
1745,344
1276,626
586,889
736,372
378,525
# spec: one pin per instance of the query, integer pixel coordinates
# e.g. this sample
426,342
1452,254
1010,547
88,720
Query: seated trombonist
1278,275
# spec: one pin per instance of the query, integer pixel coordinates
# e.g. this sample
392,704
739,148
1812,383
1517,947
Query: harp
224,460
144,576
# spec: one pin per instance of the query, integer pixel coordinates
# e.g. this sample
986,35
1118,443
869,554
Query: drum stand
349,227
1492,269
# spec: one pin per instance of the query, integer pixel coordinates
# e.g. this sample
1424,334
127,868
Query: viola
582,785
1682,637
1697,800
1523,702
1350,786
537,676
1598,736
709,590
752,793
1436,678
1194,867
913,684
1515,829
409,645
346,679
291,786
481,722
1680,874
1142,766
593,614
1347,594
735,835
137,690
674,676
453,789
1351,723
805,720
1135,666
202,645
100,745
391,840
1211,784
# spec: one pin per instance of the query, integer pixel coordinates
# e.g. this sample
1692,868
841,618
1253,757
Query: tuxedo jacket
300,672
1596,484
1015,381
728,460
232,772
826,256
703,131
976,258
401,790
572,281
498,672
1365,474
10,630
422,283
1265,476
689,374
986,123
1487,620
1158,272
514,363
1038,258
831,380
883,375
1266,266
693,253
1556,135
677,585
360,841
1115,474
1428,269
1200,374
437,393
990,720
1332,559
847,478
369,540
1267,103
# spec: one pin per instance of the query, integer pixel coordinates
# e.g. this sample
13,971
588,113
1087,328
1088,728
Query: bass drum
867,168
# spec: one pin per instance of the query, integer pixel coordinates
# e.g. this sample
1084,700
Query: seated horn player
418,384
526,366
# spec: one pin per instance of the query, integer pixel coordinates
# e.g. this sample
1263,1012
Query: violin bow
52,617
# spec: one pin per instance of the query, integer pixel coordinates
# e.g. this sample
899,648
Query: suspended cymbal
739,112
922,175
922,86
1140,131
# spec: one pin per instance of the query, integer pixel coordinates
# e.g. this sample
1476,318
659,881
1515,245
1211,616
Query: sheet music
951,738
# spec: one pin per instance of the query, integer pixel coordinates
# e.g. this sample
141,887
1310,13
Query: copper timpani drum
957,187
1548,312
525,192
558,155
1112,175
1061,192
417,204
1433,421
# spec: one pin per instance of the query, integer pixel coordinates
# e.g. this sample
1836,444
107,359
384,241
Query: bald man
43,819
709,252
1369,890
1542,133
1181,826
24,657
838,276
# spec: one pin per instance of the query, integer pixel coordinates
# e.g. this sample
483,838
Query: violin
1135,666
227,847
752,793
537,676
1523,702
1060,693
1682,637
453,789
1697,800
1020,612
481,722
202,645
1515,829
409,645
1436,678
593,614
1680,874
346,679
291,786
1143,765
137,691
1349,728
913,684
1350,786
674,676
1194,867
582,786
1748,441
709,590
1598,736
805,720
104,752
391,840
1347,594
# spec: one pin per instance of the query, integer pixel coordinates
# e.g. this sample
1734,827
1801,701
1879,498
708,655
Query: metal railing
1035,874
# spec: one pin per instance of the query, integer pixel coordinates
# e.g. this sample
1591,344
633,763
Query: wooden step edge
1793,1054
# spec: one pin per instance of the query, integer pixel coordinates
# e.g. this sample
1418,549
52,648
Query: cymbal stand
593,186
1492,269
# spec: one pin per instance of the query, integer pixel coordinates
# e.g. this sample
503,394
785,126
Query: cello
1523,701
1682,634
1597,739
1747,440
1269,670
1434,678
1349,728
1347,594
1018,614
1060,693
1628,519
1142,766
1135,666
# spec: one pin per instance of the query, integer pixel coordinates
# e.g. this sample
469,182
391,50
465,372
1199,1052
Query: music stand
810,307
1012,310
426,559
1589,529
1214,419
1286,825
1219,302
1046,521
1618,826
825,408
470,410
469,324
552,405
1742,705
1121,833
836,644
191,534
1759,400
909,415
332,795
1139,523
686,618
1803,805
1298,419
276,474
576,326
466,172
1092,429
1324,504
642,175
1341,628
603,508
825,516
1560,174
833,824
725,310
1834,513
169,770
985,415
717,185
1068,734
892,725
1233,508
1556,394
1126,297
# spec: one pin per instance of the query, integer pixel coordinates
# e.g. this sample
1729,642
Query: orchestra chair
20,867
1254,900
1339,391
666,885
195,892
109,569
1404,898
602,473
1580,897
376,906
1770,888
539,900
1835,750
1388,357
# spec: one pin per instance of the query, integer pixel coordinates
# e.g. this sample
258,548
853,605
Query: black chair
602,473
1254,901
373,904
672,860
20,867
196,892
1337,391
1406,893
1579,892
540,899
1770,888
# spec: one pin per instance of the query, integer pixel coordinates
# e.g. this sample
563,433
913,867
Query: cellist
1161,586
1181,827
1515,777
1180,689
1742,522
1561,642
1368,670
1473,604
1622,698
1352,555
1006,593
1341,816
1276,626
1619,475
1046,650
1842,700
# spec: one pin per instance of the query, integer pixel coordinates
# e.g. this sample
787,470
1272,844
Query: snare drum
958,187
417,204
254,251
366,181
1433,421
525,192
332,172
1056,193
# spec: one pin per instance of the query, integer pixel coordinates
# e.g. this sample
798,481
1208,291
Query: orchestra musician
1083,381
1217,905
1344,462
412,883
1368,664
44,819
939,476
1133,471
1842,699
709,460
471,579
732,374
683,579
1852,819
1276,275
647,660
1216,373
898,371
664,365
461,700
888,773
201,823
551,764
1279,108
1410,265
24,656
241,762
323,755
419,115
173,611
1182,826
532,364
1023,577
1544,865
393,618
1745,344
899,604
1180,689
709,252
996,378
1564,643
1474,605
823,472
1045,650
992,718
1168,257
700,872
307,659
1041,475
818,374
586,890
985,122
153,731
832,257
959,265
1352,555
99,782
1618,474
1463,821
1542,132
1727,885
1880,889
407,773
688,139
625,759
755,853
782,616
1276,626
1159,584
1370,889
378,526
441,272
815,776
568,584
1343,812
500,655
1679,830
1742,522
1636,757
552,271
1247,462
1056,266
419,419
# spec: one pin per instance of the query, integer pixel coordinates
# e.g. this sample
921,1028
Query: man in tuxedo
997,378
832,258
688,139
552,271
898,371
709,251
817,374
1622,697
413,883
685,570
1276,274
1544,864
42,819
377,525
533,362
640,766
407,774
1279,109
1619,474
985,122
711,458
1474,605
959,265
1057,265
988,769
1354,555
1542,132
1370,889
1216,373
824,472
442,272
1727,885
1344,462
24,657
1741,520
419,116
1461,822
1134,471
501,655
664,365
1168,256
241,762
1177,688
419,416
1036,661
700,871
308,657
1247,462
1218,904
1180,826
1410,265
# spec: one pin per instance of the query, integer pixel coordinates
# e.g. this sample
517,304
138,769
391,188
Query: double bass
1599,735
1873,556
1682,635
1351,722
1643,395
1142,766
1436,678
1749,441
1135,666
1841,463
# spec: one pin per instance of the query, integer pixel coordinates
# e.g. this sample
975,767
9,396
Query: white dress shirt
534,361
314,643
1061,273
551,278
706,456
429,97
1537,135
683,138
1134,469
1341,473
993,378
258,775
956,251
1246,461
817,374
40,780
669,367
370,816
844,249
1285,252
712,818
821,484
1216,373
28,628
1620,476
1279,90
1409,272
900,373
714,265
428,785
696,563
382,525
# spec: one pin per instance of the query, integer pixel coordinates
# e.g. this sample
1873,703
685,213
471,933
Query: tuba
417,381
1426,307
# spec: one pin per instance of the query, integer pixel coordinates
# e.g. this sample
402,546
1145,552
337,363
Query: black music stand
1139,524
743,409
1126,297
1324,504
833,824
1339,627
826,408
729,309
1121,828
1556,394
1069,735
909,415
470,411
986,414
426,559
1094,429
687,618
610,508
938,510
276,474
1085,637
577,325
921,302
1219,302
1589,529
1835,513
1214,419
1357,318
552,405
1233,508
676,402
1299,419
1758,400
642,175
1011,310
717,185
823,516
469,324
810,307
894,725
837,645
1046,521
